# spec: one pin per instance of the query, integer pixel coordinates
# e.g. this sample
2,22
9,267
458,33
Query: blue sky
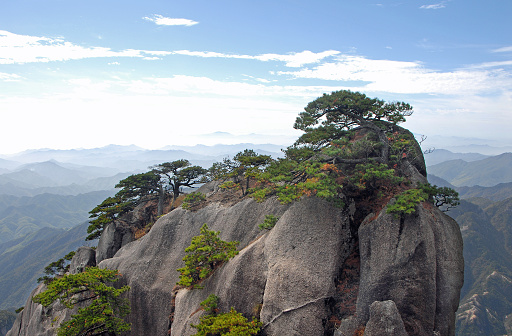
83,74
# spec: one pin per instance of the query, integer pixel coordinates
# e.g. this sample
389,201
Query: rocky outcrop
288,281
36,320
84,257
300,278
122,231
415,261
385,320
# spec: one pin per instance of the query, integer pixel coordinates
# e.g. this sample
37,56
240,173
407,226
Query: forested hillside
22,260
22,215
485,219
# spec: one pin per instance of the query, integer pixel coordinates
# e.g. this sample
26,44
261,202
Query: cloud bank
166,21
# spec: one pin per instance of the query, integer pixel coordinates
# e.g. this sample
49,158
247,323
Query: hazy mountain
22,261
442,155
230,150
487,291
22,215
26,179
54,172
8,164
122,158
7,318
436,180
495,193
467,144
487,172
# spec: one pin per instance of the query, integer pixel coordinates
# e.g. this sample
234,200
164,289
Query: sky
85,74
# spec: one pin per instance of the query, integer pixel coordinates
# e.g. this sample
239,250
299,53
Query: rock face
290,281
84,257
415,261
384,320
300,278
37,320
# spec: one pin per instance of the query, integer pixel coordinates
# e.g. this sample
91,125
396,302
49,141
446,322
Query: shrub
406,202
193,199
225,324
56,268
269,222
229,185
371,175
442,196
205,253
103,314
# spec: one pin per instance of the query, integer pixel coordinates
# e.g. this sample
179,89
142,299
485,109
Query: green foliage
241,169
56,268
178,174
136,186
210,304
363,148
193,199
290,180
229,185
205,253
105,308
328,118
407,201
444,197
227,324
153,184
440,196
106,212
372,175
224,324
269,222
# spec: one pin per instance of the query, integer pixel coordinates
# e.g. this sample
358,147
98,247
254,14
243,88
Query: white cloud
434,6
404,77
18,49
166,21
294,60
491,64
504,49
9,77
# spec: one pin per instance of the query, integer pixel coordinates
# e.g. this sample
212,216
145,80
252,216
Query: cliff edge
336,263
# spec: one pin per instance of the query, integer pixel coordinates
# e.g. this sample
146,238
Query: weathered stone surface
84,257
415,261
384,320
35,320
289,276
122,231
114,237
149,264
287,273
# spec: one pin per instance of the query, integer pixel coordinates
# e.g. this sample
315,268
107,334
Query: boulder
114,236
285,276
149,264
84,257
416,261
36,320
384,320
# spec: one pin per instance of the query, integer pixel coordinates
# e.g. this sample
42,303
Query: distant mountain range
487,172
442,155
486,297
22,260
44,193
22,215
